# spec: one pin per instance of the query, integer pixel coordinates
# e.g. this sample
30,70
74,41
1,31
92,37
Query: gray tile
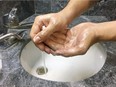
42,7
57,5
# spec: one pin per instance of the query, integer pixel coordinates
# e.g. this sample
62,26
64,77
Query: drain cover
41,70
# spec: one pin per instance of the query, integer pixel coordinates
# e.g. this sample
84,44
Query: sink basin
61,68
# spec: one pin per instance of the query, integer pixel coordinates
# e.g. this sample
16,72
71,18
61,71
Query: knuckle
42,36
38,18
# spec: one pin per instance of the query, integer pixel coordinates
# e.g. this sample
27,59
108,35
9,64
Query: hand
56,21
53,22
77,40
56,40
58,37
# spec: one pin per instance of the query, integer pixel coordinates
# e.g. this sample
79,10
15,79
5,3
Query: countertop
13,74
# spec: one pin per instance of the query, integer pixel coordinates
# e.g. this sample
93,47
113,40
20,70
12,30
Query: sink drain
41,70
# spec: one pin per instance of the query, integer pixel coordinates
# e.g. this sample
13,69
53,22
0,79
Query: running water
43,27
42,70
44,64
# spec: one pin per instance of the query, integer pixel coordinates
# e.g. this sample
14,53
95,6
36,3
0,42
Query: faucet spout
6,36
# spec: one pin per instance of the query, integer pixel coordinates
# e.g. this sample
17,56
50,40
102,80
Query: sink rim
62,81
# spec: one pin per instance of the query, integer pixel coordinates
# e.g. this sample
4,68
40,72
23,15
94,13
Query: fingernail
36,39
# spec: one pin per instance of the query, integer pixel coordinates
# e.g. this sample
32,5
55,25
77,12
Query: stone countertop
13,74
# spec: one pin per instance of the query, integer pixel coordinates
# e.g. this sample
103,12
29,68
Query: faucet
10,21
10,36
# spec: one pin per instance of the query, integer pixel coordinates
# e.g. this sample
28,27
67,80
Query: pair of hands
56,39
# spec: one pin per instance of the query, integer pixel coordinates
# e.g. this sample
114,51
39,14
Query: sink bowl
61,68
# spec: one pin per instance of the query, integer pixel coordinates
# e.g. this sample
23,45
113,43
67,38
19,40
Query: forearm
76,8
106,31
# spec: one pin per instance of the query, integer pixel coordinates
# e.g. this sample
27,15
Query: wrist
75,8
66,17
106,31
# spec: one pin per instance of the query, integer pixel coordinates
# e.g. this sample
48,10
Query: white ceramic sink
63,69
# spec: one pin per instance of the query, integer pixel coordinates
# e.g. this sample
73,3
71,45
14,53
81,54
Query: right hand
53,22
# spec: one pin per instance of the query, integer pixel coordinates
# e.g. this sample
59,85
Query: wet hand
53,22
76,42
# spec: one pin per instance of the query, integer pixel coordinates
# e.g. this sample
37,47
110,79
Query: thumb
45,33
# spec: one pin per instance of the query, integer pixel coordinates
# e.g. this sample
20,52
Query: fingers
41,46
64,31
39,22
41,36
53,45
37,25
45,48
48,50
57,40
49,30
59,35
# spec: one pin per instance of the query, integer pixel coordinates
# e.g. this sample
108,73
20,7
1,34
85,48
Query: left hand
76,41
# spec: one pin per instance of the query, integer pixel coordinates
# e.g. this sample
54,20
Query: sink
60,68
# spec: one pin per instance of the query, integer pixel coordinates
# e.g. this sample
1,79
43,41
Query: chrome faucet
10,36
10,21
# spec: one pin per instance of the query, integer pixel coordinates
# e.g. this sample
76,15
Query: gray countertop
13,74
